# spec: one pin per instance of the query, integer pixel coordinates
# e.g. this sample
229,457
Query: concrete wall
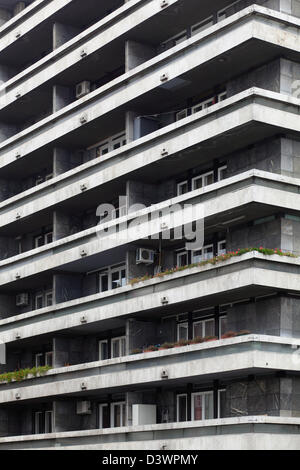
276,316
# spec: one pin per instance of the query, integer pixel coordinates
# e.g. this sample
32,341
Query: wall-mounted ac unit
20,6
82,89
83,408
144,256
22,300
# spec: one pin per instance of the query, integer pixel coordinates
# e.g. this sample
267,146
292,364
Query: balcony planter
229,334
210,338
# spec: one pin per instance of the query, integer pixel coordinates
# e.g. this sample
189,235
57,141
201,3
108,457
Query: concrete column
140,334
138,192
6,73
7,131
136,270
3,422
65,225
64,160
137,53
66,287
286,6
129,124
65,417
61,351
7,305
5,15
7,247
62,96
63,33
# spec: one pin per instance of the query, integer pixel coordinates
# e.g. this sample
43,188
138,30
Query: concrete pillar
138,192
6,73
137,53
134,270
7,305
5,15
286,6
62,96
63,33
64,160
65,417
3,422
61,351
130,117
7,131
140,334
65,225
66,287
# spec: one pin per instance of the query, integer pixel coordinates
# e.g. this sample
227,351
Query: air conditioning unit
144,256
22,300
83,408
20,6
82,89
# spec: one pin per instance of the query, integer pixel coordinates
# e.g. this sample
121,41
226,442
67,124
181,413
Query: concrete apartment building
162,102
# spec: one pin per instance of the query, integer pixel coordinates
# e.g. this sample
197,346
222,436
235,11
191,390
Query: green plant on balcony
213,261
23,374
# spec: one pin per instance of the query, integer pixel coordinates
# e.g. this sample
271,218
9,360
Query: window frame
202,394
178,396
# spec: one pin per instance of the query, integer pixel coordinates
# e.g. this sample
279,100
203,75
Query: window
203,105
107,145
43,422
104,411
182,259
103,350
48,298
49,358
202,25
43,299
118,414
43,239
182,188
182,331
204,328
222,325
222,172
206,253
222,247
202,406
203,180
112,278
181,114
180,38
225,12
39,360
39,301
118,347
222,403
222,96
41,179
48,421
44,359
182,407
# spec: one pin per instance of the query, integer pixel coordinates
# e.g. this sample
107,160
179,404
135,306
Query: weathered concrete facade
122,107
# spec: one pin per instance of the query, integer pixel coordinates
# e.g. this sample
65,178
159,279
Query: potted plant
243,333
197,340
166,346
210,338
136,351
228,334
151,348
181,343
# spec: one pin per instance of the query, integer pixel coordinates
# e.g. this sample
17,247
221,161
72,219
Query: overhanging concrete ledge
249,274
234,357
244,433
